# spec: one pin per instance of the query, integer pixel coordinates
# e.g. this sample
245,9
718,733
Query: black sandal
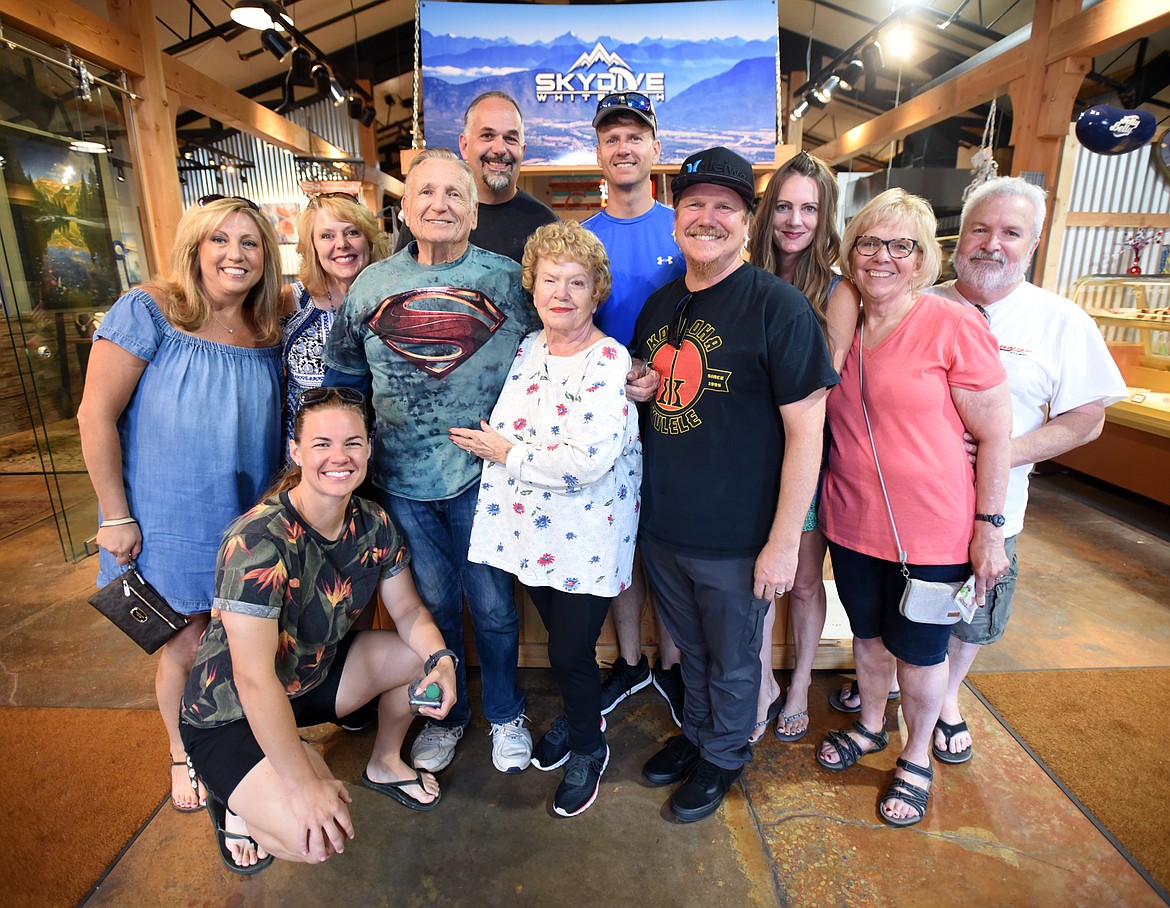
914,795
949,731
847,748
217,810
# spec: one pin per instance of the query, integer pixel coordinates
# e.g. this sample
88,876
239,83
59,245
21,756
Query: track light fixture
260,14
799,110
368,114
355,106
301,66
338,92
847,77
321,77
824,92
278,44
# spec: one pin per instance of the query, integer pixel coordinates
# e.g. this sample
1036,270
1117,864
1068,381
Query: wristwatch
996,520
433,659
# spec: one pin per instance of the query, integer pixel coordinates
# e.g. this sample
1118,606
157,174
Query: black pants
573,621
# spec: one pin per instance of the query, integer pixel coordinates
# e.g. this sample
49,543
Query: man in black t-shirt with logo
732,447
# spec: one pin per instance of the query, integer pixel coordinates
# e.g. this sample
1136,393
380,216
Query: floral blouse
563,511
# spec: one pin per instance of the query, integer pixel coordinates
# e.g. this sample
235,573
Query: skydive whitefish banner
709,68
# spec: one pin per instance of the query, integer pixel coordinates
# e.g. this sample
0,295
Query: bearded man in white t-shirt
1061,377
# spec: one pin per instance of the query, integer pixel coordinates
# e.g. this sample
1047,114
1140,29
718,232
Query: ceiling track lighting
847,77
273,41
824,91
338,92
865,56
368,115
799,110
301,66
261,14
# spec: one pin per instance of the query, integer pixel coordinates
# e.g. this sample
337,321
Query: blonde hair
814,265
182,296
898,205
567,241
311,274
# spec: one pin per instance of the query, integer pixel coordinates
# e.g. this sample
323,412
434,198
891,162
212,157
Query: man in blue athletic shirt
638,235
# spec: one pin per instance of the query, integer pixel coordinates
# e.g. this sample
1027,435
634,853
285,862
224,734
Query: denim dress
200,437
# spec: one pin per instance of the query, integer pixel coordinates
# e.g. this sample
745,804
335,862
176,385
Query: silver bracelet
116,522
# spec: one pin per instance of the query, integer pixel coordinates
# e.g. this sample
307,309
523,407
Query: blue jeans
438,534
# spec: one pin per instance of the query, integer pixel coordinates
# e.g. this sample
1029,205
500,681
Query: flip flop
949,731
841,706
190,774
395,790
773,712
782,720
217,810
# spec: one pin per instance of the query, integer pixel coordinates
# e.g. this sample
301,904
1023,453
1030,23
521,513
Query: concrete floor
999,831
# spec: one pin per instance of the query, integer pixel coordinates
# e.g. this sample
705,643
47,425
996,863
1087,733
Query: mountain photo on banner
711,83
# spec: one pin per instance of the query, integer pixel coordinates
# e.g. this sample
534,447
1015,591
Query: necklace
222,325
329,293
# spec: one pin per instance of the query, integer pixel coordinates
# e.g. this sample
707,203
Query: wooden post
155,149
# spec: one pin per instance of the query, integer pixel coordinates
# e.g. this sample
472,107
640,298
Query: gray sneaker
434,748
511,745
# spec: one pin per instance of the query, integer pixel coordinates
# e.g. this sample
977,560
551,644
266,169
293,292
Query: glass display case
1133,451
1134,313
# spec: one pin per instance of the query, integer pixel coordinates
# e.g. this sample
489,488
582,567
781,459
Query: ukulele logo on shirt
436,328
685,376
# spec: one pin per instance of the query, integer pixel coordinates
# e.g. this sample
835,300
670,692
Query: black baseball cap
720,166
630,102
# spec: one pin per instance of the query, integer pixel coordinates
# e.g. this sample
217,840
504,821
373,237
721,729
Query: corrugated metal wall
1110,183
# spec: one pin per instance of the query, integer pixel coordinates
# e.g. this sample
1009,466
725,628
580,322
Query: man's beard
986,279
498,182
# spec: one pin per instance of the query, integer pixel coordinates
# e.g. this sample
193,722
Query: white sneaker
511,745
434,748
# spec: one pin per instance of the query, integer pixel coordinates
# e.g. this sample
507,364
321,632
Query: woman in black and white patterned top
339,237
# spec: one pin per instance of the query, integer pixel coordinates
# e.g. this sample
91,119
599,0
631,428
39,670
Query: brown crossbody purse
138,609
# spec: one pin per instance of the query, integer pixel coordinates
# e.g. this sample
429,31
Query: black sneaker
702,793
581,782
672,763
552,750
669,683
624,680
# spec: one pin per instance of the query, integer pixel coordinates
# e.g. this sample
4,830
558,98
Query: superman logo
436,328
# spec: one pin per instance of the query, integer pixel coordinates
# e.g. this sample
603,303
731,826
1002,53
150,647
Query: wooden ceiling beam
1109,24
976,86
90,36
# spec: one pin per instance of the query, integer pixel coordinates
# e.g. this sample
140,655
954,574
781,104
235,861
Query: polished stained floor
999,831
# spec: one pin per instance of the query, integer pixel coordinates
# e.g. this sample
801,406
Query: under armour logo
666,260
693,168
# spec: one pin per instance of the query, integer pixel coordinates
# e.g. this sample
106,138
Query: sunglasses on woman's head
216,197
333,195
312,396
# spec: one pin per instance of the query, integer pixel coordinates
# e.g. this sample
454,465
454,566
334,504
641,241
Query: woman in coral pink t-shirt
930,370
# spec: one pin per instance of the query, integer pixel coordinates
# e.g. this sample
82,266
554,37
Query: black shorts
223,755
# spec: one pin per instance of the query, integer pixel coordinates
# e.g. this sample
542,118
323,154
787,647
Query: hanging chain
416,136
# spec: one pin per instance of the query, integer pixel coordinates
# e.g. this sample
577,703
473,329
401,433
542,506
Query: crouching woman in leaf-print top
293,575
558,500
